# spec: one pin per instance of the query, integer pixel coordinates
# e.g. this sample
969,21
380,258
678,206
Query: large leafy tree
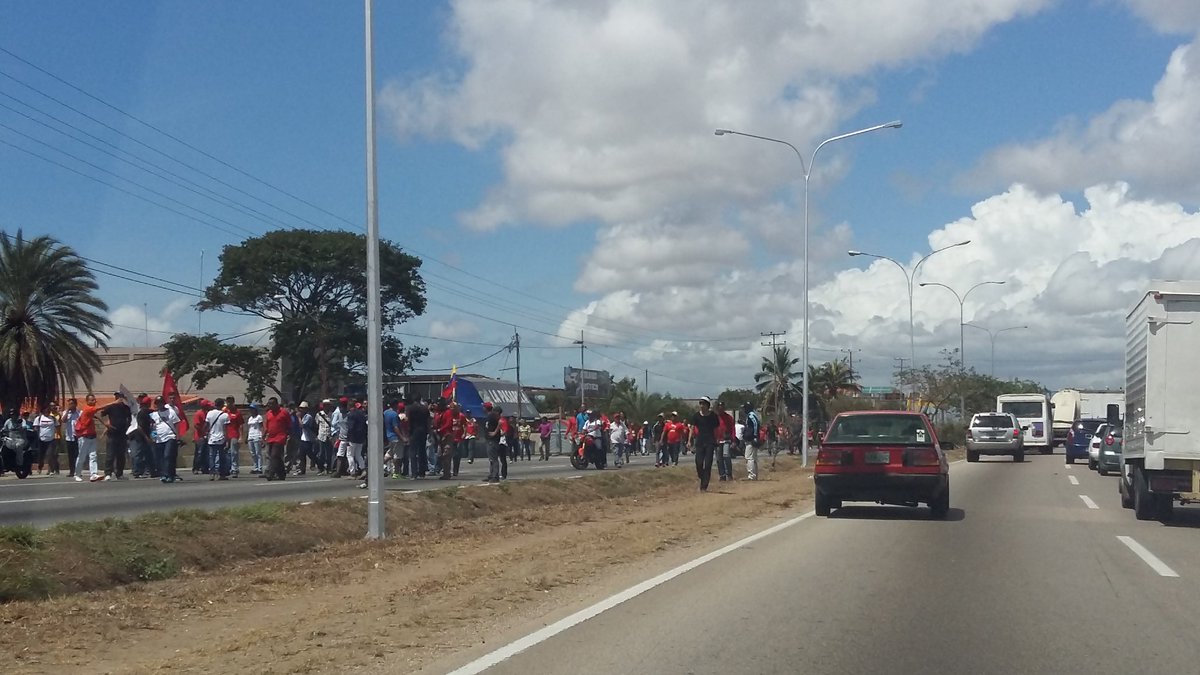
778,380
939,387
52,320
311,286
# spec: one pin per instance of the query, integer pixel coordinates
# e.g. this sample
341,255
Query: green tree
734,398
206,358
827,383
938,387
312,286
52,318
777,381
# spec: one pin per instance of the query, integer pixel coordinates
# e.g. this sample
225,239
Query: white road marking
1147,557
1069,466
508,651
36,499
1088,501
1073,479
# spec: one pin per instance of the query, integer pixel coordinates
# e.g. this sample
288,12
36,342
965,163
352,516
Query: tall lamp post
910,278
376,528
962,356
992,336
807,170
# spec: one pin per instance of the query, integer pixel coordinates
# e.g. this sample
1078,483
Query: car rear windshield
1089,425
873,429
1023,408
992,421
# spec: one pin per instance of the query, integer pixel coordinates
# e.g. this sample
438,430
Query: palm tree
833,379
778,380
51,316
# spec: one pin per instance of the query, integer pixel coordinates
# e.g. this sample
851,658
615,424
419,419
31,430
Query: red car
888,457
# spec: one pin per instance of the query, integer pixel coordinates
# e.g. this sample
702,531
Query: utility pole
851,353
646,381
376,527
581,393
773,335
516,344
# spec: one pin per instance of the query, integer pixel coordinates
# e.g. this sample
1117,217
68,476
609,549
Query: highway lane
1024,577
45,500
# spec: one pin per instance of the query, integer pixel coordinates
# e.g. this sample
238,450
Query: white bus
1034,412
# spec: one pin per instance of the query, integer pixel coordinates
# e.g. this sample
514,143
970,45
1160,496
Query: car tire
1045,451
1124,491
1019,456
939,508
824,504
1143,499
1091,465
1070,459
972,456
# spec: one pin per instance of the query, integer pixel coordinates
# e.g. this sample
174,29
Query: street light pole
992,336
909,278
962,356
376,528
807,176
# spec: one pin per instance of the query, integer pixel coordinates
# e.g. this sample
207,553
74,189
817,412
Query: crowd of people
423,439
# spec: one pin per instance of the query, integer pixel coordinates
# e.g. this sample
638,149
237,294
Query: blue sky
566,156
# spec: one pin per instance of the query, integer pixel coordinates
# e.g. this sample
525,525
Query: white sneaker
95,477
108,477
78,479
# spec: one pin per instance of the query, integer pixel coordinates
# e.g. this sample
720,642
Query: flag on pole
171,393
452,385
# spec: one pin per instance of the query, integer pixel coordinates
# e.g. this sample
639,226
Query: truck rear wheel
1124,490
1143,499
1164,508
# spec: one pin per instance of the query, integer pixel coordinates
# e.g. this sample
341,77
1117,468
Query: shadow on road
866,512
1184,516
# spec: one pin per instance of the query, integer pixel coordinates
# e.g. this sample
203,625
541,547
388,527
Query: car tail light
1016,433
970,435
1108,440
923,457
1071,436
834,457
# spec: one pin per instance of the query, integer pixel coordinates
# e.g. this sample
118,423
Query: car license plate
879,457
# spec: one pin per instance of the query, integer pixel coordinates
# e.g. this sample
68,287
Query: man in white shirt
217,420
166,438
69,417
255,439
47,453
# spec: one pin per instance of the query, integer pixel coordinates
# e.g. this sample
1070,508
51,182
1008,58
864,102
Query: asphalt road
42,501
1024,577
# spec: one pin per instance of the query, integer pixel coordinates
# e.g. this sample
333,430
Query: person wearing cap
750,442
672,437
308,439
255,424
703,436
117,419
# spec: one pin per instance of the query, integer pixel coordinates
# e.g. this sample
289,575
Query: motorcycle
17,454
585,454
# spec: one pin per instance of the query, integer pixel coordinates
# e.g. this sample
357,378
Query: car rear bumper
882,487
1109,462
1004,447
1076,451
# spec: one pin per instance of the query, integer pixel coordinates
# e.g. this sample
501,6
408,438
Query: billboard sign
596,383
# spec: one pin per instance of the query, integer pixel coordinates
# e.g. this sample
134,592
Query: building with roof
139,369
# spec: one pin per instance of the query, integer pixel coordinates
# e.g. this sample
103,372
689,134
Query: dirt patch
431,590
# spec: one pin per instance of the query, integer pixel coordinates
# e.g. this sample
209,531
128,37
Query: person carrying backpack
750,440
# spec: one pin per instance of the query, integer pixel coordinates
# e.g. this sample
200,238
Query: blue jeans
169,451
218,459
235,449
256,455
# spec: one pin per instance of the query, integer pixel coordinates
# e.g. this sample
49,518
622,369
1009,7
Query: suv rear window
992,421
871,429
1088,425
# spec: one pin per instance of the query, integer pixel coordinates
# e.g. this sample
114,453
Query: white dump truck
1161,454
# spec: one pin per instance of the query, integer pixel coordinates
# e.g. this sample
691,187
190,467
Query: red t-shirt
85,426
279,425
460,427
674,431
233,429
445,423
198,430
726,428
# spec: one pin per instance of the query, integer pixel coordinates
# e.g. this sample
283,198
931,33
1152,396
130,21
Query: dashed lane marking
1088,501
1147,557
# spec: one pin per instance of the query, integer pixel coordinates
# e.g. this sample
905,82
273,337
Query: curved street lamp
910,278
992,336
807,170
962,356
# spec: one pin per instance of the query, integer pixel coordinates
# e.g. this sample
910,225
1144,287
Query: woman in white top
254,438
47,453
618,435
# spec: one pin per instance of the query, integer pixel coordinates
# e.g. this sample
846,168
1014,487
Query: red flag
171,393
449,390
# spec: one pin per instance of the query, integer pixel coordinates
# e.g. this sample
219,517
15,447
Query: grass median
87,556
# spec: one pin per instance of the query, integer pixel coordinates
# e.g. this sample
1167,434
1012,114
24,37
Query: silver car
995,433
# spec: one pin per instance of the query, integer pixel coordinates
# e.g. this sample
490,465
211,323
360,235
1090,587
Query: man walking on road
704,423
69,418
726,441
750,440
117,419
165,421
418,429
491,432
216,422
279,427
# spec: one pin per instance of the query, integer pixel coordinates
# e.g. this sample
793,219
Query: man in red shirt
233,432
460,435
200,438
672,438
278,429
725,442
444,425
85,431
